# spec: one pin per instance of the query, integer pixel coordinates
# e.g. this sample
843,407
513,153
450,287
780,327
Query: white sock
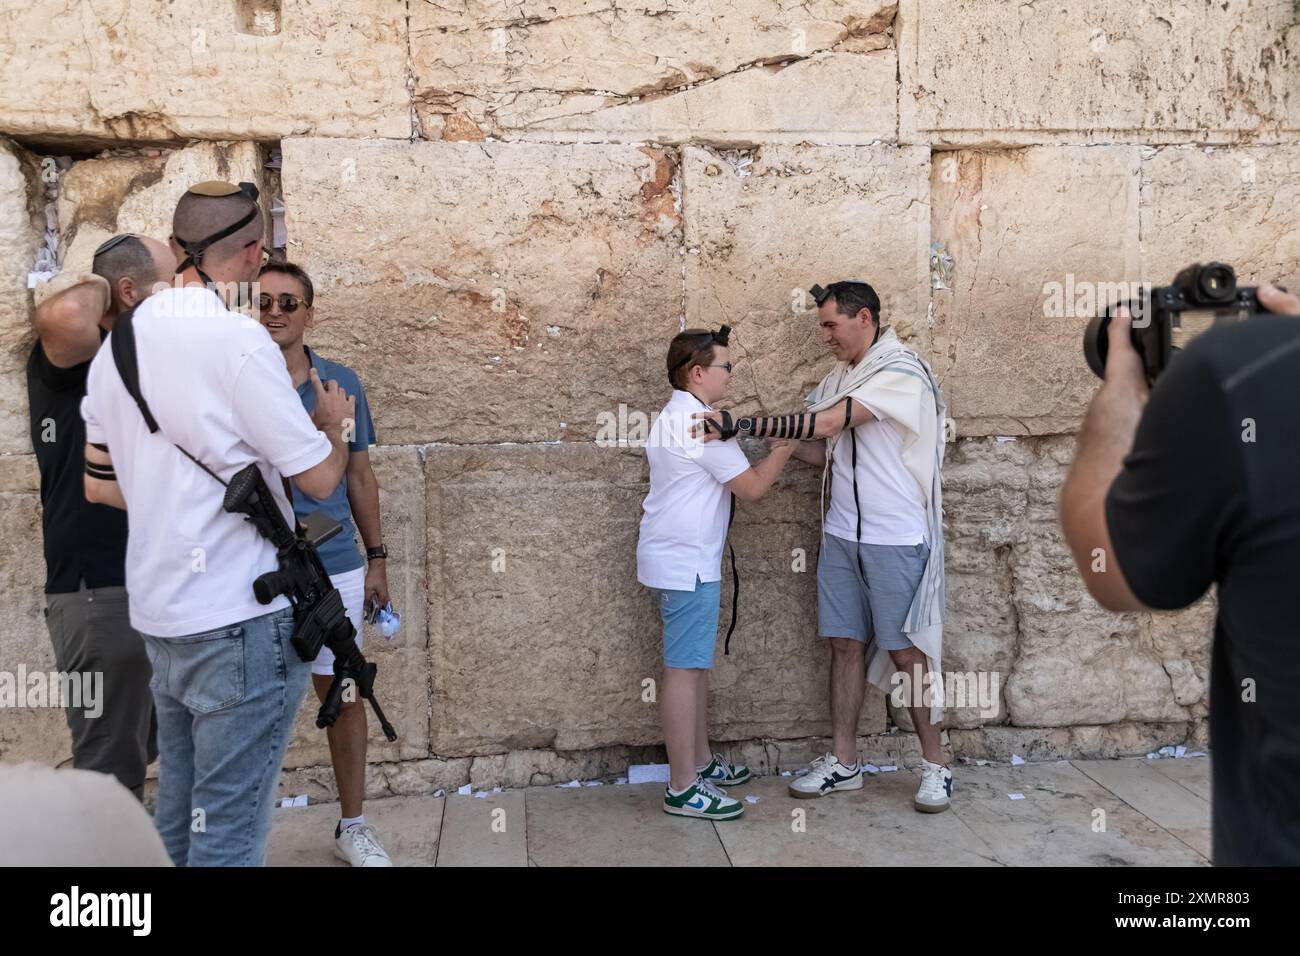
346,823
678,793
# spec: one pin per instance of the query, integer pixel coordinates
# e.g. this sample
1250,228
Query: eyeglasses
726,365
288,303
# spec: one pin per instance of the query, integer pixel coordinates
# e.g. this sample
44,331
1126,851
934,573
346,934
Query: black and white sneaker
935,793
827,775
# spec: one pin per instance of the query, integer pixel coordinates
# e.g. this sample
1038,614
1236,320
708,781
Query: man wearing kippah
875,424
85,543
190,393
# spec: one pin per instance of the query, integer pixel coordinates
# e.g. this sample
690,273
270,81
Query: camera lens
1216,282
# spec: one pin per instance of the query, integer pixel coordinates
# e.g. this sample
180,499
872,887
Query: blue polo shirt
340,553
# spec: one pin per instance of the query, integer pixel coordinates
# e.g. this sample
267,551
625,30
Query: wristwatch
379,552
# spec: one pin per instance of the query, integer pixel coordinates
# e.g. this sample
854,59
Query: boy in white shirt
679,556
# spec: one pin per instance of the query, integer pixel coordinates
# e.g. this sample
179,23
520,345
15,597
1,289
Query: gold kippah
214,187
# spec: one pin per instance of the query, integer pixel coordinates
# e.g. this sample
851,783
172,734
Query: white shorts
352,588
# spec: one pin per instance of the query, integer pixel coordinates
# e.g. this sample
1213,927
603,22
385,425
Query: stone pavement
1127,812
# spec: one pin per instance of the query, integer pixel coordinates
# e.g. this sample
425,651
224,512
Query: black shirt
83,541
1211,494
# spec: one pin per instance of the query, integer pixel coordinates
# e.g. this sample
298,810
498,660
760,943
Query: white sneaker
933,796
826,775
359,846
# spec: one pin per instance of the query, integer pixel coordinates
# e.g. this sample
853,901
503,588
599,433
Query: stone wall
510,208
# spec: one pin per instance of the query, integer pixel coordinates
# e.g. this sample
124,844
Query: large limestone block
26,733
490,292
1232,205
828,98
402,685
138,191
1036,236
163,71
1080,664
541,637
98,198
985,492
19,240
1157,70
663,70
760,233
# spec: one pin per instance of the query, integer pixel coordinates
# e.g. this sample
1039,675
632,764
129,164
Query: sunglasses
288,303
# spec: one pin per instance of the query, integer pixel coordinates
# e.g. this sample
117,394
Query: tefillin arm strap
800,425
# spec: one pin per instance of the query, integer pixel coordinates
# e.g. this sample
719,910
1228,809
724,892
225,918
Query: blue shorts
849,605
690,623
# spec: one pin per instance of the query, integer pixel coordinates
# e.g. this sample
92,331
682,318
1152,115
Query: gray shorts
849,605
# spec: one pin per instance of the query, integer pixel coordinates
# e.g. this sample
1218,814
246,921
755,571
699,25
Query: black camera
1166,319
319,617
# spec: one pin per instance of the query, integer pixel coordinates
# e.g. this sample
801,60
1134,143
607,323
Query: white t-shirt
218,387
685,522
893,507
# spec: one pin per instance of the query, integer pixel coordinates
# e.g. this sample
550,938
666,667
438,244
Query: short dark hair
127,258
294,272
851,297
687,350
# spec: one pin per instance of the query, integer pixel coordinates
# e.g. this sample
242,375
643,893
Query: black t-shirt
1211,494
83,541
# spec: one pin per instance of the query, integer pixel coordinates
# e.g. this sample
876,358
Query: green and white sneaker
720,773
702,799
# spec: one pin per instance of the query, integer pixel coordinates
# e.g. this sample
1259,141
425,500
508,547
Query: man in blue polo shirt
285,307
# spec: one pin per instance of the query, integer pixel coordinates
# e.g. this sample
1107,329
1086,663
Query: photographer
1191,483
227,681
85,543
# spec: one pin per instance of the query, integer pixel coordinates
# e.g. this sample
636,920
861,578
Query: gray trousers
91,632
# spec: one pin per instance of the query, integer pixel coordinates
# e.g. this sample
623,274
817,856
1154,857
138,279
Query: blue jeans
226,701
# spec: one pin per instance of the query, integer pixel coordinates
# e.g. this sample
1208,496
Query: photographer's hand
1277,301
1106,437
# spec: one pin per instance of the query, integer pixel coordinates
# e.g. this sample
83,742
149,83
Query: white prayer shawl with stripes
895,383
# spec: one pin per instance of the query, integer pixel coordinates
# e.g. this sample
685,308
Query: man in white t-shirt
679,557
226,679
878,532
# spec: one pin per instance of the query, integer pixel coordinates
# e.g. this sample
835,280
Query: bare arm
363,496
812,452
1105,440
798,426
321,479
67,323
754,483
102,490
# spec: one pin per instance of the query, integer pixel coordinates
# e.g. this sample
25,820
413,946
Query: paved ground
1130,812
